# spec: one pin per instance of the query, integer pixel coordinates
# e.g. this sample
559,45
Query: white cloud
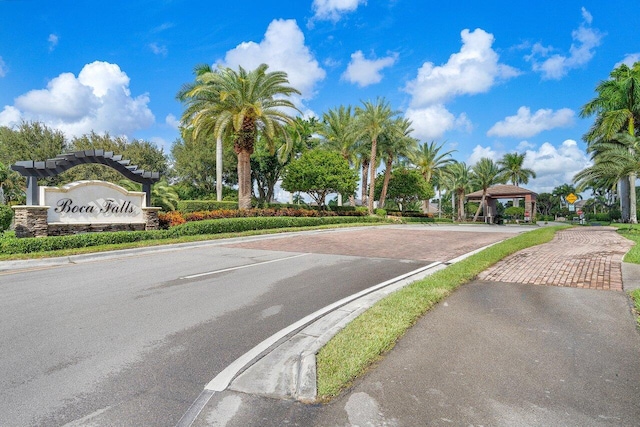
172,121
479,152
158,49
283,49
555,166
3,68
430,122
556,66
99,99
53,42
629,60
365,72
332,10
475,69
524,125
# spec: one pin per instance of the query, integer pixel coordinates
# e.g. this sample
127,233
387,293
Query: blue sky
483,77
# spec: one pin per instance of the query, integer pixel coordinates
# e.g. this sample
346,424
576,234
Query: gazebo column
491,209
528,205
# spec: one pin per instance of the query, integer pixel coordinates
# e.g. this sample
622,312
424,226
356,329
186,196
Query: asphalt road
133,340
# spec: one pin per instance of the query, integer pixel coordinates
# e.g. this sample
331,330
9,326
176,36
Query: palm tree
339,132
512,170
430,162
373,119
242,103
395,142
485,174
457,179
194,105
617,109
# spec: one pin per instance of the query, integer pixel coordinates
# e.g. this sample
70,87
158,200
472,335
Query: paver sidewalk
581,257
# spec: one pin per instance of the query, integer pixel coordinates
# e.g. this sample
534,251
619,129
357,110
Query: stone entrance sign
92,202
84,206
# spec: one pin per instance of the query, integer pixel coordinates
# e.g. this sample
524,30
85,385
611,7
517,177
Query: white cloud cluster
553,166
3,68
473,70
332,10
283,49
158,49
53,42
556,66
524,124
629,60
99,99
365,72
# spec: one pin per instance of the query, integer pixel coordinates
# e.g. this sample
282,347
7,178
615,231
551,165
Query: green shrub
186,206
380,212
602,217
6,215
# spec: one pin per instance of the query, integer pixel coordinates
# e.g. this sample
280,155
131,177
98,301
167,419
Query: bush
380,212
186,206
602,217
6,215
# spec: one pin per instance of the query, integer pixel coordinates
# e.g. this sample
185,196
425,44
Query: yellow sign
571,198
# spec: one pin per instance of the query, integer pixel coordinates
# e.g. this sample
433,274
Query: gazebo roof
502,192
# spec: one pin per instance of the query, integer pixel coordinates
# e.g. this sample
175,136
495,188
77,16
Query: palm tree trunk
461,214
244,180
475,217
219,169
633,218
385,183
365,180
372,174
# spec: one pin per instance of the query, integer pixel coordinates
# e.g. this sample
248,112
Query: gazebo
505,192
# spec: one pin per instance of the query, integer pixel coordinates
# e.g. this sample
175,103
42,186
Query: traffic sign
571,198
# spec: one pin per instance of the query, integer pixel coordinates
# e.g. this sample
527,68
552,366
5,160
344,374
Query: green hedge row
187,206
216,226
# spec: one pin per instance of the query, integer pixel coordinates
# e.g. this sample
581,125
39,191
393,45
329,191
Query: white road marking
240,267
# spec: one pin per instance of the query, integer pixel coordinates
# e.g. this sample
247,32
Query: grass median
362,342
632,232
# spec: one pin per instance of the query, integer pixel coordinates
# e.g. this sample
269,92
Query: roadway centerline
208,273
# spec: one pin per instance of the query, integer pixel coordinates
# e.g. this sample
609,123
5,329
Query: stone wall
66,229
30,221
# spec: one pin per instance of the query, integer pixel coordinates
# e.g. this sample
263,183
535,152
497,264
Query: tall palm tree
195,104
429,161
512,170
458,180
395,142
242,103
485,174
373,119
617,109
339,132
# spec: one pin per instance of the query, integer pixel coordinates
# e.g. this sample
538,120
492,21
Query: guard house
498,192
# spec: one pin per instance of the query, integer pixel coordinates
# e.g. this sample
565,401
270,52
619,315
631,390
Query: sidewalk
501,351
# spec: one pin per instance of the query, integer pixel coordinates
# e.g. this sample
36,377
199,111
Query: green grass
631,232
635,296
362,342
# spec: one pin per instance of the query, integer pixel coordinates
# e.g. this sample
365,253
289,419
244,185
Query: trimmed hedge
216,226
187,206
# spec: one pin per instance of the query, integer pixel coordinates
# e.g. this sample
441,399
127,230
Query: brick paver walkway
581,257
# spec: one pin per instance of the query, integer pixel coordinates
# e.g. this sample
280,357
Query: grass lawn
632,232
362,342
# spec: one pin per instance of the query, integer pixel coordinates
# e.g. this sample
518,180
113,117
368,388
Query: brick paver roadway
581,257
424,244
